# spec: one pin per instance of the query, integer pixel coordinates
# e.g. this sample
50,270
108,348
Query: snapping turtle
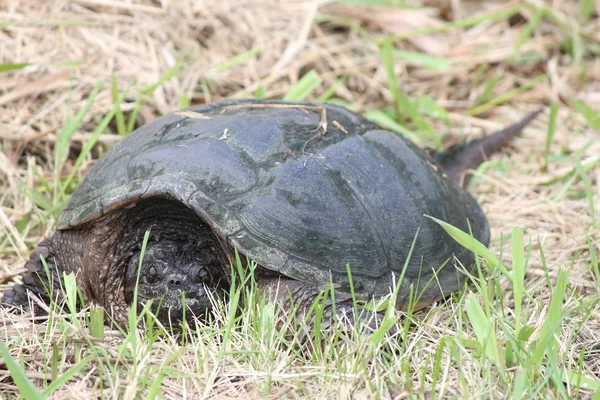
302,189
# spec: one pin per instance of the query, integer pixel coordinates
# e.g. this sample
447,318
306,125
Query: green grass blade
96,325
429,106
64,137
488,91
134,114
132,317
519,383
70,292
545,345
508,95
37,198
352,290
330,92
239,59
184,101
387,58
484,329
140,263
593,260
586,9
582,381
120,118
588,164
89,145
518,273
12,66
304,87
389,320
487,17
550,133
384,328
260,92
577,49
468,242
68,374
154,390
589,192
172,72
26,388
404,107
591,116
385,121
54,362
532,24
424,60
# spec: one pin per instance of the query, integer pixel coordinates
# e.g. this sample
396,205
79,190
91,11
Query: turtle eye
200,275
151,276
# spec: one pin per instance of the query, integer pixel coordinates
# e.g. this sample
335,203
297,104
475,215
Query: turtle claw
16,298
35,283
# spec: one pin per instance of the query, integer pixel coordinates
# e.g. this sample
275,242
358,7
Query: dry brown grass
73,44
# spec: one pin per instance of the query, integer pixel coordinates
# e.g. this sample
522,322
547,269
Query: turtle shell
302,189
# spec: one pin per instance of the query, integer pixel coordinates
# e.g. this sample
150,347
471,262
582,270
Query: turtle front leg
300,296
35,281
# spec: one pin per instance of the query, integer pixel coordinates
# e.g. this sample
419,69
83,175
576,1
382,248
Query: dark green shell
295,202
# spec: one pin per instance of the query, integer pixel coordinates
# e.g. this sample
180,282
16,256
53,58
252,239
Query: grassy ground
76,76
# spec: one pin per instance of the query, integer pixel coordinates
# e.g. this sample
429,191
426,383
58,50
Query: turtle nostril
175,281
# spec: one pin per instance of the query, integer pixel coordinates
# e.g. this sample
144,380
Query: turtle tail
457,159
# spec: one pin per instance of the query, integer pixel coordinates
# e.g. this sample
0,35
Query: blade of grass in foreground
65,376
26,388
468,242
518,273
70,292
546,344
484,330
550,133
96,324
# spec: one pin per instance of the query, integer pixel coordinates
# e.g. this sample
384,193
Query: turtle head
178,278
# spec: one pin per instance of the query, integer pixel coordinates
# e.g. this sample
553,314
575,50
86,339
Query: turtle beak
169,307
